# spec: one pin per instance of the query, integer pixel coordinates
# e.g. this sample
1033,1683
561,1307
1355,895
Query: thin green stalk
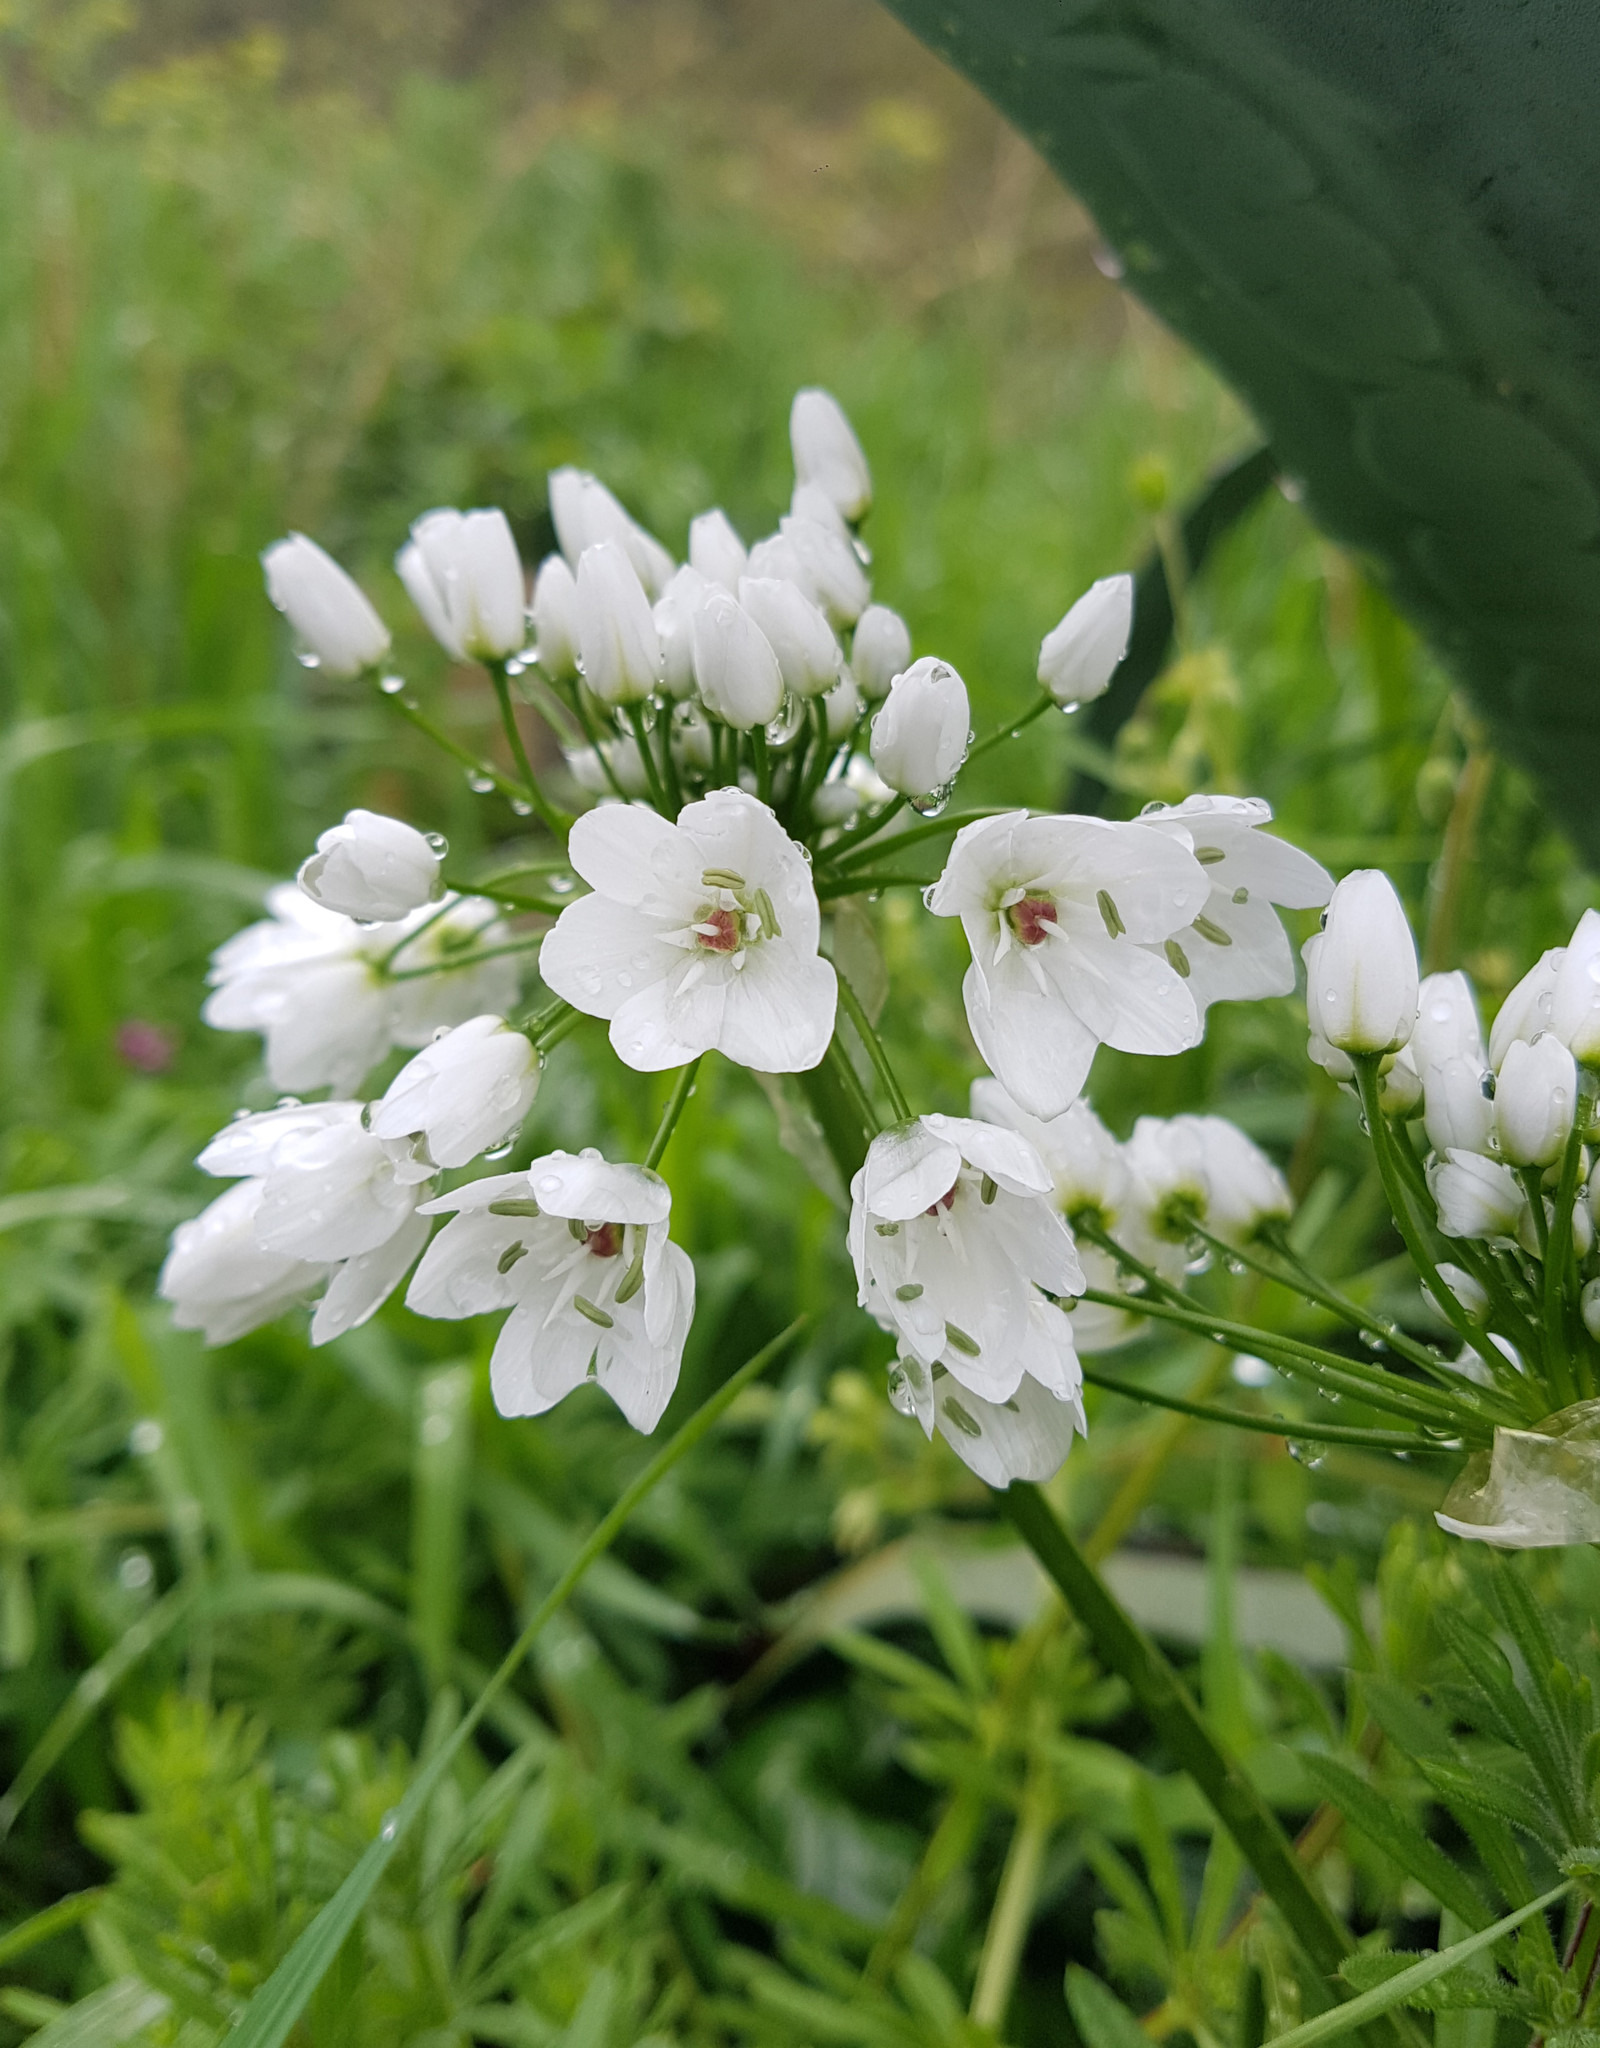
839,860
652,774
454,965
857,835
761,761
855,1010
1013,1903
508,897
580,711
556,821
479,769
410,938
1267,1425
1011,730
564,1027
677,1102
817,767
850,1085
551,1025
1315,1289
272,2012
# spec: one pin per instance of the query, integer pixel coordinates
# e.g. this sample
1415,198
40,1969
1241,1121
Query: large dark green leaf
1380,223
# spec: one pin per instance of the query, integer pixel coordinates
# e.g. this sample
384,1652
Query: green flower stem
385,965
840,861
463,960
580,711
652,774
482,770
1011,730
677,1102
1315,1289
830,889
555,821
1267,1425
856,1012
857,835
1014,1901
761,761
511,899
841,1105
563,1027
273,2011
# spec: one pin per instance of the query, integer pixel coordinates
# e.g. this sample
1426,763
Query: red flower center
718,931
605,1240
1030,919
946,1201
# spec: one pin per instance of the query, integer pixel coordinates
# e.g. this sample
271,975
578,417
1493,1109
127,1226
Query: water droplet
479,783
1069,707
1237,1268
391,686
561,885
438,843
287,1102
146,1437
390,1827
934,802
550,1184
309,660
1372,1340
522,807
501,1151
624,980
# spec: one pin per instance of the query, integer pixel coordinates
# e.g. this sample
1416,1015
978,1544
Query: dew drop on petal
437,843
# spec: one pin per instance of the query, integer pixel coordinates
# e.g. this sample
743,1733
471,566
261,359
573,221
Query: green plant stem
677,1102
831,888
1304,1282
1013,1903
563,1027
555,821
1267,1425
580,711
1011,730
761,761
484,770
410,938
861,833
508,897
840,861
455,965
652,774
864,1116
278,2004
855,1010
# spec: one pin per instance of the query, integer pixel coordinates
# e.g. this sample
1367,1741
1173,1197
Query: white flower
921,735
1057,912
1475,1197
700,935
843,707
372,868
1236,949
1361,968
588,766
1528,1009
821,560
827,453
798,634
1457,1114
465,577
618,646
327,608
464,1093
674,624
1078,657
585,514
880,650
1535,1097
734,664
834,802
952,1232
1447,1024
436,991
555,618
1245,1189
1399,1084
1575,1000
578,1250
220,1281
811,501
1026,1436
1471,1293
716,551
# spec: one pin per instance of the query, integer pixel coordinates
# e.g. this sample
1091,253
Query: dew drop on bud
391,686
438,842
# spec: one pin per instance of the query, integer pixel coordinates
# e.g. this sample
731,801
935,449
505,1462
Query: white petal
598,1190
1124,995
779,1012
363,1284
601,952
1026,1437
629,853
1005,1155
907,1171
1031,1041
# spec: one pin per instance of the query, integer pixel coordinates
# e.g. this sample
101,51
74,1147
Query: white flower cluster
751,720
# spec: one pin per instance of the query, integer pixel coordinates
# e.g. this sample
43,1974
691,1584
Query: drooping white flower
920,736
827,453
953,1231
327,608
1475,1197
464,1093
1535,1099
1078,657
734,665
465,578
554,612
220,1281
1236,950
1575,1000
674,624
880,650
578,1250
1528,1009
1026,1436
618,646
1361,968
716,551
585,513
1458,1114
373,868
808,654
700,935
1058,912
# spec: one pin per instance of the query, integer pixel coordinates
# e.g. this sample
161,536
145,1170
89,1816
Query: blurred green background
276,267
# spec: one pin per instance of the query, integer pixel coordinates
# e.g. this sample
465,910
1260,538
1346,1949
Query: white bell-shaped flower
555,618
327,608
716,551
1475,1197
734,665
880,650
921,735
373,868
218,1279
1535,1099
585,513
1236,949
1078,657
464,1094
808,655
1447,1025
699,936
619,649
1529,1008
674,624
465,578
1026,1436
953,1231
1058,913
1361,969
827,453
577,1249
1458,1112
1575,1000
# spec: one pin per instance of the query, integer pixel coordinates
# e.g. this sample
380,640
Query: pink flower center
605,1240
718,931
946,1201
1030,919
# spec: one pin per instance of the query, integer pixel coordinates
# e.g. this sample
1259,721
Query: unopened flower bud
1468,1291
1589,1308
1447,1024
880,651
827,453
1575,1000
736,669
843,706
1527,1010
327,608
464,1093
811,501
834,802
1475,1197
1245,1189
617,639
465,577
798,634
585,513
1399,1085
1457,1112
920,737
1361,989
555,618
829,571
716,550
1078,658
1535,1097
373,868
674,621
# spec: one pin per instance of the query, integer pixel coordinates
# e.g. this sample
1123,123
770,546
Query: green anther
1208,856
515,1205
577,1228
909,1292
887,1229
721,878
1011,1406
1109,911
962,1420
940,1372
1213,932
1241,895
769,917
509,1257
1177,957
595,1315
958,1340
989,1190
632,1280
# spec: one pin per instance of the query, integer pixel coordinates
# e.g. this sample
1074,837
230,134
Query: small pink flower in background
147,1048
